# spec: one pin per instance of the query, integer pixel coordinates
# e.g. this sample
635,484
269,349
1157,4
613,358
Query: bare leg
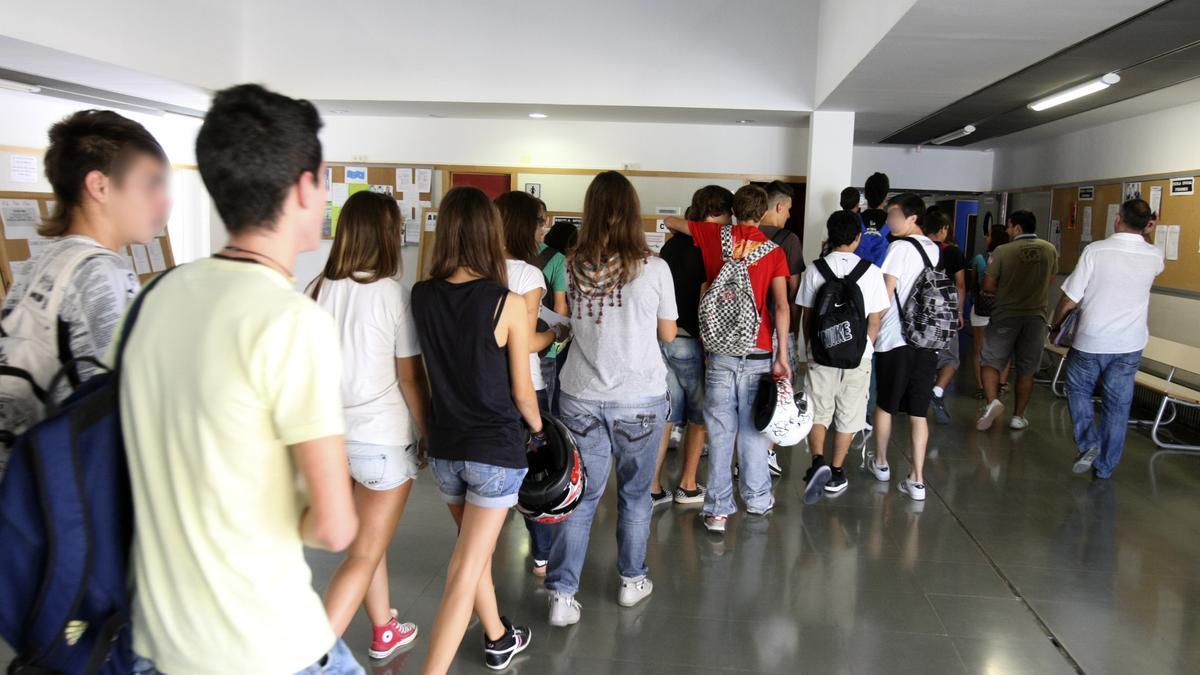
1024,393
883,434
991,384
816,440
944,376
656,486
693,445
920,438
841,448
378,512
478,530
977,348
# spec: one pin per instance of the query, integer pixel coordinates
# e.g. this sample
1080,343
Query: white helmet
784,416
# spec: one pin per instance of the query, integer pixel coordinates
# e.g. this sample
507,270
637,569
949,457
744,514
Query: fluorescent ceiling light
1099,84
538,116
19,86
745,121
954,135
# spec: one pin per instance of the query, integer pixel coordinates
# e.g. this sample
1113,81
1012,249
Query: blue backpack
66,520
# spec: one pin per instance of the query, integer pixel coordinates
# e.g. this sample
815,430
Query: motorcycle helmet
556,480
782,415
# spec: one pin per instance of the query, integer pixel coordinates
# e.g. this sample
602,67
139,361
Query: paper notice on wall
1155,199
1160,238
412,231
339,193
21,218
23,168
383,189
411,195
430,222
424,180
655,241
158,261
1110,220
1172,252
1086,235
1131,191
356,174
425,204
141,259
404,178
37,247
21,269
660,225
357,187
328,177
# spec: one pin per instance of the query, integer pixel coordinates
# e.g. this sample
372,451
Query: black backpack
840,320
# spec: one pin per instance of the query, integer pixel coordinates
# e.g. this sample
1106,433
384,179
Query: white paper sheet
1160,238
410,196
1155,199
430,222
37,246
1131,191
20,270
1172,252
356,174
1086,234
338,194
21,218
141,259
383,189
660,225
412,231
23,168
404,178
1110,221
424,180
158,261
551,317
655,240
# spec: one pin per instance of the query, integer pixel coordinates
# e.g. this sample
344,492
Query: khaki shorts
1019,338
839,395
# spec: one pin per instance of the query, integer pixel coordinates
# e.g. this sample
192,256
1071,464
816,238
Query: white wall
847,30
946,169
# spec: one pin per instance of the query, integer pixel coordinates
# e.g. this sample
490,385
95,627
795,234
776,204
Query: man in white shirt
1110,288
838,395
905,374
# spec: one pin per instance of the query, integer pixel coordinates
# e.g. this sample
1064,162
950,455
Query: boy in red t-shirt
732,382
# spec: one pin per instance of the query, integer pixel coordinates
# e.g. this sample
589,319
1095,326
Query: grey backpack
930,316
729,317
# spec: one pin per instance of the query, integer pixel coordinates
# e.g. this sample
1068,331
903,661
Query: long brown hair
520,215
366,245
612,226
468,236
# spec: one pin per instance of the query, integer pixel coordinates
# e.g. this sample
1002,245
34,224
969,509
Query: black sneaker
816,484
940,412
837,482
817,461
499,653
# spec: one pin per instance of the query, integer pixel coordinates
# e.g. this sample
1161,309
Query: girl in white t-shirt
384,395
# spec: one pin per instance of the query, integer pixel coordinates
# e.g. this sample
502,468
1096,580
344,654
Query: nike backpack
930,316
34,346
729,318
840,318
67,523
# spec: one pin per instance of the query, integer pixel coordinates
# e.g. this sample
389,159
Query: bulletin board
15,250
386,178
1182,274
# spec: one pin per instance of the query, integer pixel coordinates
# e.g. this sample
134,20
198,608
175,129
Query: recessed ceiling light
538,116
745,121
1099,84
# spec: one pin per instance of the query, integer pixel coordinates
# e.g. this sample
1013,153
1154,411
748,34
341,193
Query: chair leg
1158,422
1057,386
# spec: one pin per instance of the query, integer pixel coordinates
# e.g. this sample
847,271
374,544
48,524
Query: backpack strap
859,270
920,249
726,242
760,252
131,316
777,239
825,270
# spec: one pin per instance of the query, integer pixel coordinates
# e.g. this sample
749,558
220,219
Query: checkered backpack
729,318
930,316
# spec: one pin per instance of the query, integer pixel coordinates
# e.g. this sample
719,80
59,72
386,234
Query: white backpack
31,340
729,318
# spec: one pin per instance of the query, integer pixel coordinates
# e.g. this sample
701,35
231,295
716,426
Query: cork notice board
386,178
16,250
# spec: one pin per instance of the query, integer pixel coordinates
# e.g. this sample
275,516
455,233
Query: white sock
938,392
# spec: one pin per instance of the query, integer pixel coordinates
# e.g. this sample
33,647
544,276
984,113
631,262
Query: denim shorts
382,467
685,379
484,485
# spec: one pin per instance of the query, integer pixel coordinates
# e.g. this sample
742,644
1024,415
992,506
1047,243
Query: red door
492,184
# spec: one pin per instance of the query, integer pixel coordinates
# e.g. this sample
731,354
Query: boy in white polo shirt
838,394
1111,289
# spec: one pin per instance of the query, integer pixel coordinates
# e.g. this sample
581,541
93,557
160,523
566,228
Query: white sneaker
714,524
883,474
990,413
913,489
634,591
1018,423
564,611
773,463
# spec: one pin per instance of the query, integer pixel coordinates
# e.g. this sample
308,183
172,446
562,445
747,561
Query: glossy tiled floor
1010,553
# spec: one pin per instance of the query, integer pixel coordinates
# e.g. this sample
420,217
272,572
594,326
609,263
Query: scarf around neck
593,284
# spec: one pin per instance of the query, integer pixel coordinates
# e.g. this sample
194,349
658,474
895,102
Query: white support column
830,160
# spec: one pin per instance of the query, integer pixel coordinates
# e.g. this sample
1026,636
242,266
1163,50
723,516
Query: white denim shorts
382,467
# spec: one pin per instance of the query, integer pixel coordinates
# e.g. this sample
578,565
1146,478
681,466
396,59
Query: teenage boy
875,219
1111,289
685,355
849,201
905,374
109,177
732,382
1020,275
952,262
838,395
774,225
230,403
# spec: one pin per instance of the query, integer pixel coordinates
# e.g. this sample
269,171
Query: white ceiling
943,50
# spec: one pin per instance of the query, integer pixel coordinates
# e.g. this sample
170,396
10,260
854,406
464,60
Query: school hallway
1009,554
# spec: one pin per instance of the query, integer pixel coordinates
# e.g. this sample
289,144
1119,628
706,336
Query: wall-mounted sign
1181,187
1086,192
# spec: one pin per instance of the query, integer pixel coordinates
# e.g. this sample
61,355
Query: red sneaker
391,636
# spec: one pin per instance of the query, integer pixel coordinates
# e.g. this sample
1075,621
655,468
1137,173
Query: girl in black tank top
475,337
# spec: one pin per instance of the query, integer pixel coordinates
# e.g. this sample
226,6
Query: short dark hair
911,204
1024,220
1136,214
849,198
843,227
562,237
710,200
252,147
749,203
778,191
936,220
87,141
519,213
876,189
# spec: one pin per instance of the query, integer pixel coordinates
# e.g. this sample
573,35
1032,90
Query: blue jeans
624,433
730,385
685,379
484,485
338,661
1117,371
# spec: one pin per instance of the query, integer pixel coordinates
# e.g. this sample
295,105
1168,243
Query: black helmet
556,480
